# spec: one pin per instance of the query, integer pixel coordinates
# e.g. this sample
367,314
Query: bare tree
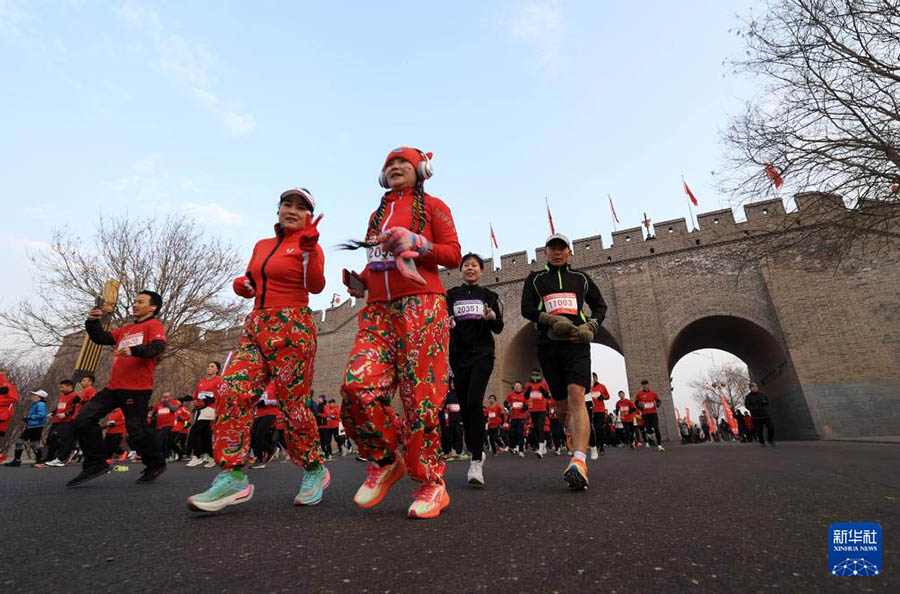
827,118
172,256
26,373
731,380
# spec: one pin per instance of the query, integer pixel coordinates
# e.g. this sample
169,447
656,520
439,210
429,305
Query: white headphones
424,170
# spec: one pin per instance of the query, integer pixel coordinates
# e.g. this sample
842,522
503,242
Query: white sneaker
194,461
521,454
210,464
594,453
476,473
55,462
660,448
132,455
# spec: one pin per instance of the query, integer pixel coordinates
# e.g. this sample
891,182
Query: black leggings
601,429
557,433
134,404
537,421
60,441
261,437
517,433
494,439
471,381
759,424
113,442
651,421
201,439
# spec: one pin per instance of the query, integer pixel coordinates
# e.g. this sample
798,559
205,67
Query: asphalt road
699,519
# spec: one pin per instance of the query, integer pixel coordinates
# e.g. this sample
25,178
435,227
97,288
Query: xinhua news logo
854,549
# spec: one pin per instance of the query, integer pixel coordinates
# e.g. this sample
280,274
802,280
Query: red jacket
537,395
494,416
87,393
516,401
206,391
385,285
646,402
267,405
165,416
66,408
599,395
115,423
333,416
182,418
9,398
134,373
282,273
626,410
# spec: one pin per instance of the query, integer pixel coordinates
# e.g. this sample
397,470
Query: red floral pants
400,344
279,345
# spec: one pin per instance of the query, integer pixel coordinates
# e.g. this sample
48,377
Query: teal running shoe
313,486
225,490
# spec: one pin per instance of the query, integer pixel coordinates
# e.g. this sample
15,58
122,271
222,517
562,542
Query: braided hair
419,217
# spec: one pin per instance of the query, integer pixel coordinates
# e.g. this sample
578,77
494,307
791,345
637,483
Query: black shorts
564,364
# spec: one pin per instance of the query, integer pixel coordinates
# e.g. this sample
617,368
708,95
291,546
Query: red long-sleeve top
599,394
282,273
516,401
440,230
115,423
494,416
537,394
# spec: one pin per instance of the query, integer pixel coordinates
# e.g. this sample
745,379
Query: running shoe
475,475
210,463
464,456
13,463
660,448
151,474
56,463
194,461
226,489
428,501
258,466
521,453
123,457
379,479
539,453
594,453
313,486
3,458
576,475
89,473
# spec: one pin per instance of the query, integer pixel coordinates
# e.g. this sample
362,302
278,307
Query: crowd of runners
431,347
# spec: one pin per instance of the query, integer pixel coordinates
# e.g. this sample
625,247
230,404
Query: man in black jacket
137,350
553,299
758,405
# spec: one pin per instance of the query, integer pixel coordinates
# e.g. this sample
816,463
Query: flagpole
690,206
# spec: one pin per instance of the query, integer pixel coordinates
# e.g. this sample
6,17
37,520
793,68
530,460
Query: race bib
646,405
468,309
588,397
379,259
453,407
163,410
517,405
61,406
537,396
202,395
561,303
131,340
492,415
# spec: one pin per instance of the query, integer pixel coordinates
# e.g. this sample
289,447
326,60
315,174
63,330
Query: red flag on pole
690,194
773,175
709,419
550,217
687,415
493,237
728,415
613,209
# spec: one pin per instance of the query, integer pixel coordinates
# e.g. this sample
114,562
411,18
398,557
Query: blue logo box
854,549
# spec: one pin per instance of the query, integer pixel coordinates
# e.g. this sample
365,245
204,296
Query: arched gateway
820,337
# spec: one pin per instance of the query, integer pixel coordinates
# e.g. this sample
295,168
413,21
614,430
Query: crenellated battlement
673,235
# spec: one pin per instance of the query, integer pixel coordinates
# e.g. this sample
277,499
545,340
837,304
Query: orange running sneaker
379,479
429,500
576,475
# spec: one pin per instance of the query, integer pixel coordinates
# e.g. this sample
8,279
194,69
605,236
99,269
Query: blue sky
211,109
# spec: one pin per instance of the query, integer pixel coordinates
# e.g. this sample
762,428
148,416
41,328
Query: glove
407,269
404,243
584,334
561,325
594,325
309,236
242,287
551,319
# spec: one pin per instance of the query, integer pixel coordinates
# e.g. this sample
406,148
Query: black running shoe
151,474
89,473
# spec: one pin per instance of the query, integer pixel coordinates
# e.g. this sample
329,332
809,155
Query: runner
537,393
403,337
137,350
625,410
278,344
61,438
599,396
452,427
9,398
200,439
34,429
553,299
476,315
494,414
518,414
557,434
162,417
648,403
758,405
265,415
115,431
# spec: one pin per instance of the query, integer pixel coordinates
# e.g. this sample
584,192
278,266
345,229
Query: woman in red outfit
403,338
279,345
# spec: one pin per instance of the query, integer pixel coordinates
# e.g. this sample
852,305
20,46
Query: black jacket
555,285
471,338
757,404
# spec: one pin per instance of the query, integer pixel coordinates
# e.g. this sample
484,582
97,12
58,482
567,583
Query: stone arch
766,357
